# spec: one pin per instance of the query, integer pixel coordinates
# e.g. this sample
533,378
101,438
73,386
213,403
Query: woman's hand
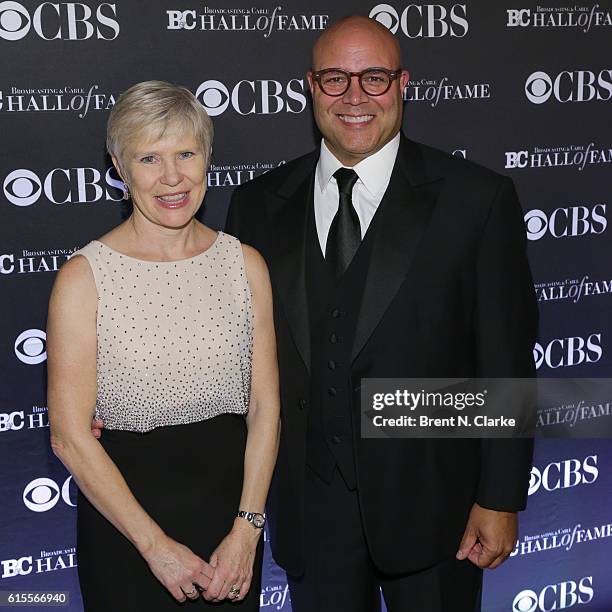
178,568
233,561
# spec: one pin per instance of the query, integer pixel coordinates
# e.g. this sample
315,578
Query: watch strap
257,519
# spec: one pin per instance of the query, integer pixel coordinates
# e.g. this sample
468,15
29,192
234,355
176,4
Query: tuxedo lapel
404,214
288,214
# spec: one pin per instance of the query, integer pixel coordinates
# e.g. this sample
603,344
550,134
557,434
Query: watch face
259,521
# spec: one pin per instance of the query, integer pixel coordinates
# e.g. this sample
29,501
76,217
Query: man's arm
505,326
505,323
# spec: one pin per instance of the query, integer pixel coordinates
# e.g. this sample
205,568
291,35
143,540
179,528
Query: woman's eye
186,155
147,159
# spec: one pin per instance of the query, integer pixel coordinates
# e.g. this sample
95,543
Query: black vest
333,308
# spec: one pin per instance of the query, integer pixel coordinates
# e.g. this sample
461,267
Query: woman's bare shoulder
74,283
255,264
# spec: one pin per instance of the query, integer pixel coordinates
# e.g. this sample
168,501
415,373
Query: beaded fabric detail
174,338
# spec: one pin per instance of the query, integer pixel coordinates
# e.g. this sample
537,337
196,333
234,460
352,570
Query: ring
234,591
192,592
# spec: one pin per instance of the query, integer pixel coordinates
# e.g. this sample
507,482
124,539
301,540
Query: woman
163,329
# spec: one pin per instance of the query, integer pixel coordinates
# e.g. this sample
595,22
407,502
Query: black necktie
345,232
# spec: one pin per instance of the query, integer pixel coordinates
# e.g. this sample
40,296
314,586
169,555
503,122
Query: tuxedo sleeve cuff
504,477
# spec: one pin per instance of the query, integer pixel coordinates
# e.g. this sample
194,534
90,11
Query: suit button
302,404
333,338
335,313
336,439
332,391
331,364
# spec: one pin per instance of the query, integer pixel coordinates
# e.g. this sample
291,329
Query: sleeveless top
174,337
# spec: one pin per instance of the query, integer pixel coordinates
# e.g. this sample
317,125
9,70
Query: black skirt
189,480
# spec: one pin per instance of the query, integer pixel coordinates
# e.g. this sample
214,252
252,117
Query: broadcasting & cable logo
424,20
33,262
256,19
583,17
579,156
557,596
572,221
232,175
261,97
53,99
42,494
573,289
61,21
568,352
563,538
31,346
22,187
569,86
435,91
47,561
276,595
16,420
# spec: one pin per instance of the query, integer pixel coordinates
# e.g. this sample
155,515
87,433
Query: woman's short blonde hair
146,110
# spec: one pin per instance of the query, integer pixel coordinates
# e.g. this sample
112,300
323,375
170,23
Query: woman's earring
126,192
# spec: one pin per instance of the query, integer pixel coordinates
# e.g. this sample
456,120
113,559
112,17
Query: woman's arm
71,350
233,558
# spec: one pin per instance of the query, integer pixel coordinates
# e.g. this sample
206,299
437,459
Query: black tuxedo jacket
448,293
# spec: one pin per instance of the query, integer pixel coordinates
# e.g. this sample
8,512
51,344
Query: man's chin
358,147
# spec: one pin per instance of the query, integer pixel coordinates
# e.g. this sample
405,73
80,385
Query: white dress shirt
374,173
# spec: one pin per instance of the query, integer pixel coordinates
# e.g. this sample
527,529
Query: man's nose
354,94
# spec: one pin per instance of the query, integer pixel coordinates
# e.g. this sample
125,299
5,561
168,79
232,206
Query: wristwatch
256,519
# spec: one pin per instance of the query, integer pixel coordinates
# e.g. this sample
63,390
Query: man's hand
489,537
96,428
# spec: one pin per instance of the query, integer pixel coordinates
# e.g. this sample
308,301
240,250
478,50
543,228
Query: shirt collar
374,171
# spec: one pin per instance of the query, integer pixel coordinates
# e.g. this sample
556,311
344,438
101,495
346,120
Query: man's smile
356,119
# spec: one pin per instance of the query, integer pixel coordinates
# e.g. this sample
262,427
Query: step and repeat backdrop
524,88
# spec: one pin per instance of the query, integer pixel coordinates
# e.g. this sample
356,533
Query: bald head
354,31
356,124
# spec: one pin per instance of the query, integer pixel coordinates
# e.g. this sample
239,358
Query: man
407,263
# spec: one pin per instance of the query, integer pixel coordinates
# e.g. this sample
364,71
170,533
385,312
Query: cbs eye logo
538,87
538,357
536,223
31,346
14,21
214,97
387,15
525,601
22,187
535,478
42,494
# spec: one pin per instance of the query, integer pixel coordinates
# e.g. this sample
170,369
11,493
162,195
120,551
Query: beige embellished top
174,337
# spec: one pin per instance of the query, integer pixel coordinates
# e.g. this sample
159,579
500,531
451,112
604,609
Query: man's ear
310,82
404,78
